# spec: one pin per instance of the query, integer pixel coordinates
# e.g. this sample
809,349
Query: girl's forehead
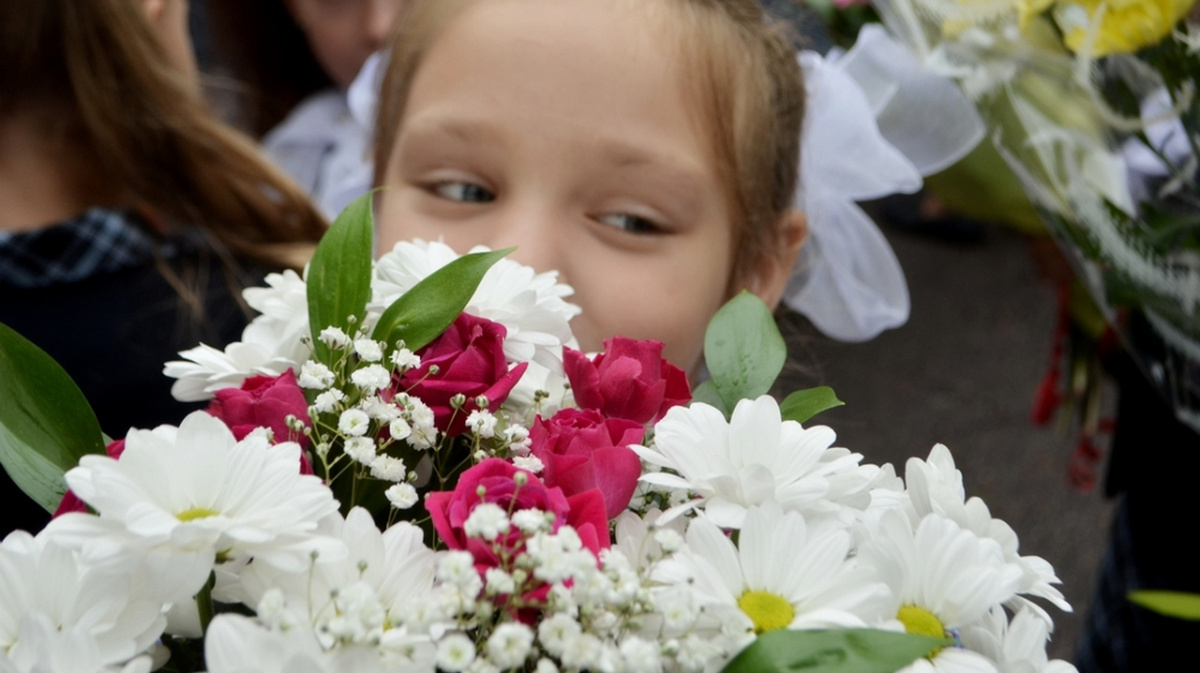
562,53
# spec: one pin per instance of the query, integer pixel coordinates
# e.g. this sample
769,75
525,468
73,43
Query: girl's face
564,127
343,33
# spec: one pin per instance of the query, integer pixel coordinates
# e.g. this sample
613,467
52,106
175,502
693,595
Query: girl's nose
533,231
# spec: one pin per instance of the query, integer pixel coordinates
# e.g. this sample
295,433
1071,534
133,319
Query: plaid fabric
97,242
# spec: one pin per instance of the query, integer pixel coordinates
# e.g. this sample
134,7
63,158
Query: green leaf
339,276
1170,603
46,424
802,405
843,651
743,349
707,393
426,310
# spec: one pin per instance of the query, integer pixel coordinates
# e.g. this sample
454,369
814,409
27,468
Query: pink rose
470,359
630,380
583,451
263,401
495,478
70,501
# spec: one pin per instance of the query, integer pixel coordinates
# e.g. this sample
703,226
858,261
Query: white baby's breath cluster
365,422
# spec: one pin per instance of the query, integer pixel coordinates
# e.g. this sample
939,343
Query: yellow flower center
196,513
921,622
768,611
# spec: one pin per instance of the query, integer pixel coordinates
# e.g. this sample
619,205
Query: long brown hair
747,82
100,69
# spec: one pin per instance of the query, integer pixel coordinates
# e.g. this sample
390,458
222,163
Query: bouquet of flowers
405,467
1093,105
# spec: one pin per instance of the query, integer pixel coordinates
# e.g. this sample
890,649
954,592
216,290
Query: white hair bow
876,123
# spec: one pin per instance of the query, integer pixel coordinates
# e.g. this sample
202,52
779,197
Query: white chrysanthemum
944,578
753,458
529,305
59,614
235,644
393,568
935,485
1018,646
819,586
179,496
270,345
638,538
541,391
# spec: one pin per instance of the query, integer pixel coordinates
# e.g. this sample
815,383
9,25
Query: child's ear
770,276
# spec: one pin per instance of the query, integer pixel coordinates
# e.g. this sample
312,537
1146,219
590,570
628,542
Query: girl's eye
465,192
631,223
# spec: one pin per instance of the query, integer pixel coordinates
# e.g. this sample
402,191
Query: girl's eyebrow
463,130
669,170
621,154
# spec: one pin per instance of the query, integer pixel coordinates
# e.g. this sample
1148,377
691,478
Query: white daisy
818,586
935,485
1017,646
753,458
944,578
178,497
270,344
235,644
530,305
57,611
395,565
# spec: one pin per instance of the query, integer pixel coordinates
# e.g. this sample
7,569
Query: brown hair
746,78
101,71
274,67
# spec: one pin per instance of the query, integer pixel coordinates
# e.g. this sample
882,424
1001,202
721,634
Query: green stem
204,602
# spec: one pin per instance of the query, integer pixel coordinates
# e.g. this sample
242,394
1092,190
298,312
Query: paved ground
962,372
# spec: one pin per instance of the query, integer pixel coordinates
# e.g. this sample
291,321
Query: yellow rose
1127,25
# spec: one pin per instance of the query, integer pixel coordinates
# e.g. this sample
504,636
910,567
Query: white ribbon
876,123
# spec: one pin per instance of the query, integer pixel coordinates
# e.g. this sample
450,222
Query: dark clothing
1152,469
92,293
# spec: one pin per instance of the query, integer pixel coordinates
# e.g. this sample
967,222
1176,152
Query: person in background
296,60
130,216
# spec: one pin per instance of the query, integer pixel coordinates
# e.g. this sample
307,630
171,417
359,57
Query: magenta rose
470,359
630,380
70,501
495,479
262,402
582,450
